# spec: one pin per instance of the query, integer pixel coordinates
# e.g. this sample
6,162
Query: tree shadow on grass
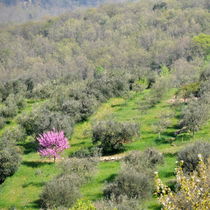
35,164
170,155
168,174
37,204
29,147
161,140
79,144
172,184
155,207
36,184
110,178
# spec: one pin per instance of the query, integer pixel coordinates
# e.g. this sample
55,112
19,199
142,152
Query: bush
123,203
110,136
131,183
147,159
83,205
43,91
10,109
42,120
9,159
14,134
106,87
193,191
83,167
190,155
194,115
63,191
87,153
135,179
2,122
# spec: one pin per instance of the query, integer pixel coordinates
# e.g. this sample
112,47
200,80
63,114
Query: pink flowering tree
52,143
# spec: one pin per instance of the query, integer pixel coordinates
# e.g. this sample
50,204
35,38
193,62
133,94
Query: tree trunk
159,135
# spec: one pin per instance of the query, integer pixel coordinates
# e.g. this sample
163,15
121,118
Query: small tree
111,136
164,121
52,143
190,155
194,115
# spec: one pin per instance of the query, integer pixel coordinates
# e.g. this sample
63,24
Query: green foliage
147,159
202,41
135,178
64,190
61,192
188,90
9,158
83,205
190,155
2,122
93,151
110,135
9,162
83,167
130,183
194,115
158,90
41,120
193,192
123,203
15,134
164,121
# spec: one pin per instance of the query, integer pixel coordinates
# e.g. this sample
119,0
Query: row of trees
70,104
134,182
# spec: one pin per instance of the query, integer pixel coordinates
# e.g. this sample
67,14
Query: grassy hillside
22,189
113,80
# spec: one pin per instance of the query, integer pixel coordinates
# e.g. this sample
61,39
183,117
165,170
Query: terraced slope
23,188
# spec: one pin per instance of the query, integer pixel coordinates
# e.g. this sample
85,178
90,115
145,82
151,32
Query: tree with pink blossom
52,143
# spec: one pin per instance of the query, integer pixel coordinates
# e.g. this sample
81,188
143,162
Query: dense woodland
20,11
57,74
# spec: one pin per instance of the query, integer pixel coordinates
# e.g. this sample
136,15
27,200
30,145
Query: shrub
205,75
147,159
10,161
87,153
83,205
194,115
109,86
110,135
190,155
123,203
63,191
9,158
2,122
83,167
193,192
14,134
131,183
42,90
41,120
10,109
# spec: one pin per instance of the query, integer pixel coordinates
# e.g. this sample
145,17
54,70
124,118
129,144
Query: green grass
106,173
23,188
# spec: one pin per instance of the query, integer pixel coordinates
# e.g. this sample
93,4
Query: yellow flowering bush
193,190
